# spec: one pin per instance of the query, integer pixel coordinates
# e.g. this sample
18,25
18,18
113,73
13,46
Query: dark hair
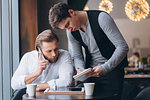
136,54
45,36
58,12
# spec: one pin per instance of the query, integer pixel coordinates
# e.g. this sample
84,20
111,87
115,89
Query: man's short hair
58,12
45,36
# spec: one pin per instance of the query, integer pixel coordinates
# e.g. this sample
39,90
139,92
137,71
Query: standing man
104,45
47,66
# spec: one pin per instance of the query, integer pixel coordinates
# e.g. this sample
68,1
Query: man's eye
49,51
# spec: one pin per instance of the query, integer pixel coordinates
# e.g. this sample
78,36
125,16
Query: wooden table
131,69
137,76
138,79
134,69
45,96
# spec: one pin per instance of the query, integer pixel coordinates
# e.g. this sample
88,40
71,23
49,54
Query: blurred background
22,20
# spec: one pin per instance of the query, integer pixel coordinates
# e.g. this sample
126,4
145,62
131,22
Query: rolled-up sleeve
65,73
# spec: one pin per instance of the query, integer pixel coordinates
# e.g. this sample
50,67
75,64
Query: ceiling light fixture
86,8
137,10
106,5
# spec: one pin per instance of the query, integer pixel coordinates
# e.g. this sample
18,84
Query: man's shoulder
63,52
64,56
33,53
93,12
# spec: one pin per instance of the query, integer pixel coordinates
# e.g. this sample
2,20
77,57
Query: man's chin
52,61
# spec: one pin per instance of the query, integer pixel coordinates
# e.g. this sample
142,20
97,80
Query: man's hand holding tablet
82,75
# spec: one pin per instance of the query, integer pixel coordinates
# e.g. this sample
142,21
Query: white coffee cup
31,90
89,88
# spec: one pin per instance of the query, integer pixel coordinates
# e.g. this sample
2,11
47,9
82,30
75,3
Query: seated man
134,59
47,66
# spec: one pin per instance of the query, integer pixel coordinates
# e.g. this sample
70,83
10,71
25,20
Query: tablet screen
67,89
75,89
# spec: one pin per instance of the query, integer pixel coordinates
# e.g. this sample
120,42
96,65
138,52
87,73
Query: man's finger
46,61
42,64
79,71
95,75
44,67
40,56
95,69
90,74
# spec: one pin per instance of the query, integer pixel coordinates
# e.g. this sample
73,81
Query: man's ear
71,12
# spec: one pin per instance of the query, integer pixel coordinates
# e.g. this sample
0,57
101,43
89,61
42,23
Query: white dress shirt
58,74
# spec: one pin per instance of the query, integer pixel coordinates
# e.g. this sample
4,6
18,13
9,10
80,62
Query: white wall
131,30
136,34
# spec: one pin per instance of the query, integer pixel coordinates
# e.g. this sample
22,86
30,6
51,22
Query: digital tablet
66,90
82,76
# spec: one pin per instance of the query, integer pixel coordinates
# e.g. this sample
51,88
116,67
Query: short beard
54,60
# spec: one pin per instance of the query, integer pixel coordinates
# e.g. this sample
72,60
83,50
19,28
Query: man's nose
53,53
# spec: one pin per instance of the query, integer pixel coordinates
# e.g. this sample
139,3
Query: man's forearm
30,78
43,86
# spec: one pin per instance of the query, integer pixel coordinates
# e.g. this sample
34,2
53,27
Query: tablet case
82,76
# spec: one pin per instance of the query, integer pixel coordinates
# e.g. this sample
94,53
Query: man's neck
83,19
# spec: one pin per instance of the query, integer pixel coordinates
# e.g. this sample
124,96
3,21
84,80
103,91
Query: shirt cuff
103,69
23,80
52,84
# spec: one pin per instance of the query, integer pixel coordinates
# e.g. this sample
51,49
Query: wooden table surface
136,69
45,96
137,76
138,73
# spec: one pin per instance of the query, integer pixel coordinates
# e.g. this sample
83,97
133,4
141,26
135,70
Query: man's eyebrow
67,24
56,48
48,50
